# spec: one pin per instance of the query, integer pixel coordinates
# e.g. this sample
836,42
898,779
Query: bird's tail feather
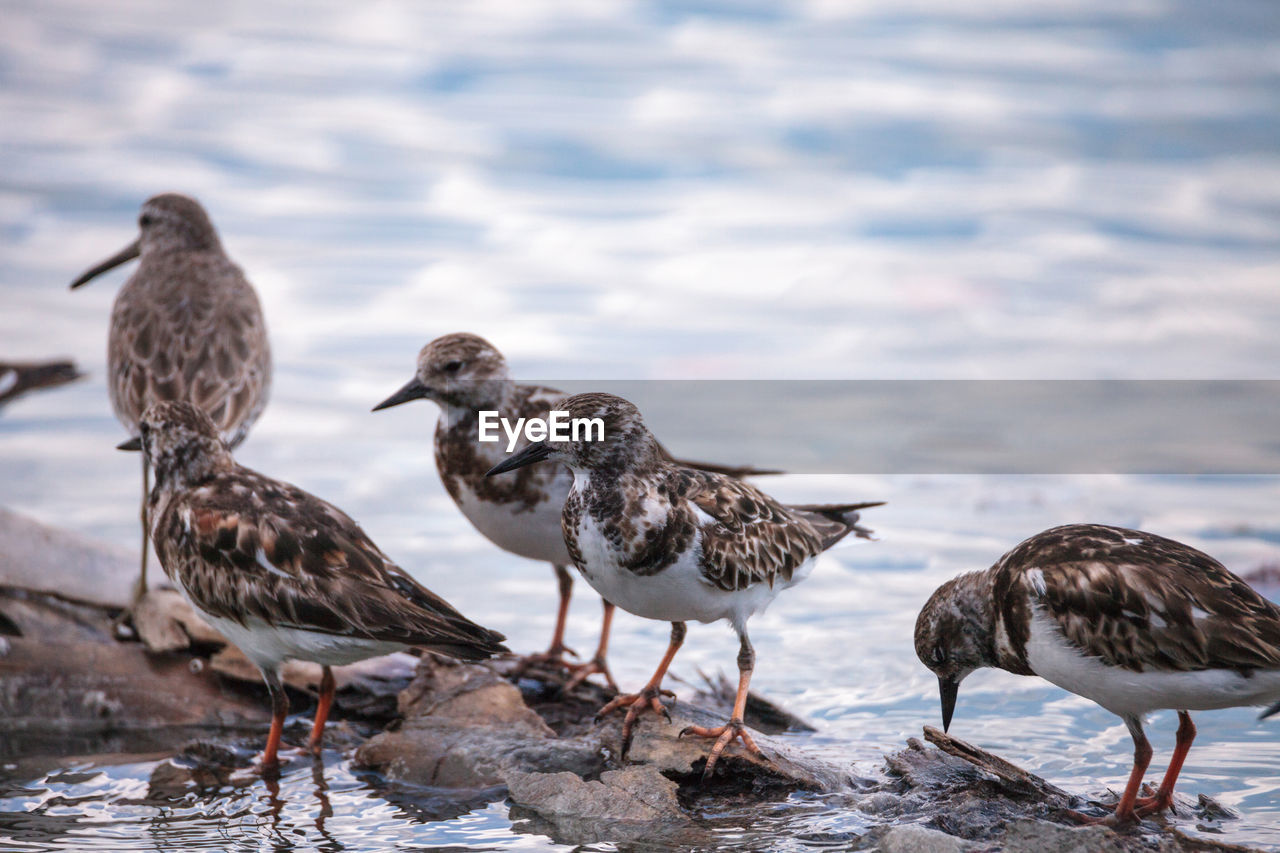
836,521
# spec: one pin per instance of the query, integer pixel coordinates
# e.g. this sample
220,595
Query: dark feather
244,545
1139,601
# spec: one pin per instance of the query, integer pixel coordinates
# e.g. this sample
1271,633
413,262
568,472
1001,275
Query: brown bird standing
186,326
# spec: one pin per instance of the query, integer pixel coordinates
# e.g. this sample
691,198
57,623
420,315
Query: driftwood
1014,776
19,377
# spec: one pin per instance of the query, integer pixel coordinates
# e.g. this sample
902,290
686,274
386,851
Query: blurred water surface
665,190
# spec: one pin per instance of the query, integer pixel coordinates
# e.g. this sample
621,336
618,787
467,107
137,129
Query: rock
912,838
39,558
638,794
1038,836
623,805
64,675
165,622
98,687
879,803
657,742
465,727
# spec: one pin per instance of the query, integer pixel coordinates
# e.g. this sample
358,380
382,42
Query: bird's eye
453,367
939,654
145,219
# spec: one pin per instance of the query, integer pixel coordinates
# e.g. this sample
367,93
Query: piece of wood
1006,771
81,687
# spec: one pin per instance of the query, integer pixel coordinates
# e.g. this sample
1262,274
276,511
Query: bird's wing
1143,602
747,536
248,546
189,327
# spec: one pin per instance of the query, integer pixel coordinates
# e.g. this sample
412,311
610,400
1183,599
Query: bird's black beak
535,452
412,390
134,443
128,253
948,688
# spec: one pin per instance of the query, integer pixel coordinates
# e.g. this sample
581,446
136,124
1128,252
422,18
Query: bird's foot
122,627
648,698
553,657
733,730
260,766
580,671
1150,803
1147,806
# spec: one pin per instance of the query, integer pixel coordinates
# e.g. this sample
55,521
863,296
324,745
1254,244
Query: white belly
676,594
268,646
1128,693
533,533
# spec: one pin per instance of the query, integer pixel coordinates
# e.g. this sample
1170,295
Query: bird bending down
464,374
665,541
280,573
186,326
1130,620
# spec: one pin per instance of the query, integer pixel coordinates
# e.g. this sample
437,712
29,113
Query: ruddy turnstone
465,374
669,542
19,377
1131,620
280,573
186,326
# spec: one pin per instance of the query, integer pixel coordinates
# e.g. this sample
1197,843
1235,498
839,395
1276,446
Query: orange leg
734,729
269,760
1164,795
1125,812
648,697
597,664
554,655
327,685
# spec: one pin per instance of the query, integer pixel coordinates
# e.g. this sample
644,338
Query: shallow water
661,191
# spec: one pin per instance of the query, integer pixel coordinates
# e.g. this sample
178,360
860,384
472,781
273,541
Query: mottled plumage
1134,621
19,377
185,326
465,375
668,542
281,572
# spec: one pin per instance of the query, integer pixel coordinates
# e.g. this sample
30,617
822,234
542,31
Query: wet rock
658,743
82,687
63,674
623,805
912,838
638,794
879,803
466,726
1038,836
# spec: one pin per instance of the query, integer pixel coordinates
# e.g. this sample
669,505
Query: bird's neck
180,472
490,395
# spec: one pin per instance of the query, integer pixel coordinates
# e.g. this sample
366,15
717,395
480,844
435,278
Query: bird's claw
733,730
581,671
648,698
